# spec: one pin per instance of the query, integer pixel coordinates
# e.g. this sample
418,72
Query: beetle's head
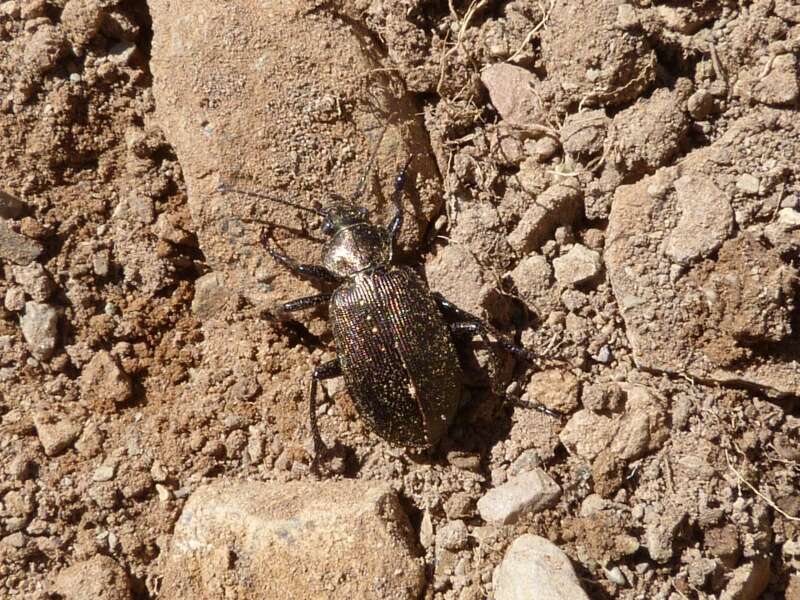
339,214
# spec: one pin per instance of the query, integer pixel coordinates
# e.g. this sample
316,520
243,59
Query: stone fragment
512,91
584,133
211,295
44,49
14,299
588,433
10,207
80,20
558,205
661,531
749,581
749,184
99,578
455,273
640,429
700,104
452,535
331,539
532,277
780,86
426,535
40,329
35,280
531,491
17,248
56,432
534,568
609,67
650,133
706,220
104,382
554,388
577,266
122,53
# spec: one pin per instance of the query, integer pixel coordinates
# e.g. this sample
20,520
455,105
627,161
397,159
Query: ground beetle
394,337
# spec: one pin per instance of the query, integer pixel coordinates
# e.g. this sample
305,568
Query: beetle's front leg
327,370
299,269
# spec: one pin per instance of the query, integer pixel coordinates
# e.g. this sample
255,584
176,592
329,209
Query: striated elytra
394,337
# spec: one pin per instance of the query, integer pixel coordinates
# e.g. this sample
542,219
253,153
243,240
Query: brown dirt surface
614,185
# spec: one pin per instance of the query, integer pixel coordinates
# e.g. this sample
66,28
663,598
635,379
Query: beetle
394,337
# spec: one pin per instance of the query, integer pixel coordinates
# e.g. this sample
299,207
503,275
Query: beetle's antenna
226,189
362,181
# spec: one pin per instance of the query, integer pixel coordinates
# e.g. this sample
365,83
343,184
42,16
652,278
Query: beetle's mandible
394,338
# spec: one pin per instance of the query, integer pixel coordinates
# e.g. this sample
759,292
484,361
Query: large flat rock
701,290
288,99
332,539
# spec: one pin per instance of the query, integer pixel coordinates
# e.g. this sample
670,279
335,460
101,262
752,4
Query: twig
533,32
774,506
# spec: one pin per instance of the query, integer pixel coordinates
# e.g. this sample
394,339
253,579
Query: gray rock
780,87
99,578
660,532
56,432
10,207
40,329
700,104
35,280
15,299
331,539
17,248
706,220
531,491
577,266
452,536
536,569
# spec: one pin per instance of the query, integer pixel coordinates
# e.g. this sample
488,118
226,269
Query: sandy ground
613,185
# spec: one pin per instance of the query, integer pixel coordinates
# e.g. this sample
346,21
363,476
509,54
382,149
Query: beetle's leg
396,223
327,370
302,270
473,328
302,303
454,314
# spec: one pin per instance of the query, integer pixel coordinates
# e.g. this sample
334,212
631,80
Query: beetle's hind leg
301,270
327,370
463,322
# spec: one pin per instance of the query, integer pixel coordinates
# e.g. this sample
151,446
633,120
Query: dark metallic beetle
393,336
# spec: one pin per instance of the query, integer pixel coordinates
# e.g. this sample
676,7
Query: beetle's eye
363,211
327,226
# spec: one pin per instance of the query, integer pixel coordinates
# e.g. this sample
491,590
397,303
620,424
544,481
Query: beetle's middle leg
327,370
303,303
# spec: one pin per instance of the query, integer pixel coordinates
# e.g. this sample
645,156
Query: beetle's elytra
394,337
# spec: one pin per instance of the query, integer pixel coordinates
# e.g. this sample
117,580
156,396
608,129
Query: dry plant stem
757,492
532,32
473,8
